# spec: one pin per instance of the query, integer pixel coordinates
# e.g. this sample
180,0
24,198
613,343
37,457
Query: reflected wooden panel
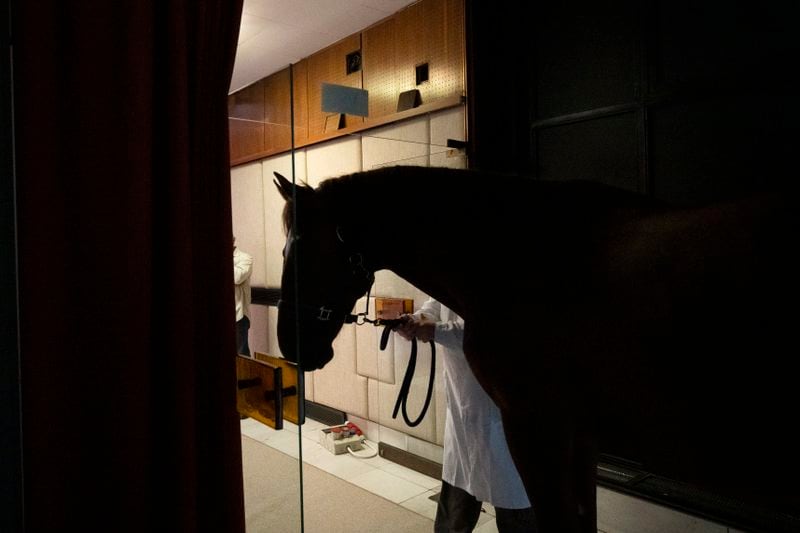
268,390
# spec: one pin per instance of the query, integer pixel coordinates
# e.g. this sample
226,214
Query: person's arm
426,324
242,267
450,333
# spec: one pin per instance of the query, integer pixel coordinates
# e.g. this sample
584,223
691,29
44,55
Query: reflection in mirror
611,117
268,388
310,121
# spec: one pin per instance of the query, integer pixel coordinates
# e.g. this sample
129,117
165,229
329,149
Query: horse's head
321,278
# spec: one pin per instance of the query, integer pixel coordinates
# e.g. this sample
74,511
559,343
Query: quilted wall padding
333,158
448,124
371,361
399,144
259,322
247,218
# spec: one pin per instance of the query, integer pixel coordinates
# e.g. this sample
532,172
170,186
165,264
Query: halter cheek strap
326,314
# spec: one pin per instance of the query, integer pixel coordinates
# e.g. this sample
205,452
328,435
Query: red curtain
126,309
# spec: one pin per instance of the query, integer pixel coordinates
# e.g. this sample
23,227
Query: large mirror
392,92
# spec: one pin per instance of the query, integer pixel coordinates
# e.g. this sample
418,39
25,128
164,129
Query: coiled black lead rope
405,388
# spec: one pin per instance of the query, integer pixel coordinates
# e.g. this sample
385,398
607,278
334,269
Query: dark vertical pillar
10,448
499,88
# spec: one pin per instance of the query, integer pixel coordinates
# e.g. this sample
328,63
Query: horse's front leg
557,464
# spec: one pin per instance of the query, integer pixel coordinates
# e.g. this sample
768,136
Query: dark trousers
242,334
458,512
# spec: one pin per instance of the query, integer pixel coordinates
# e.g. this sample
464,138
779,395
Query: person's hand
407,327
419,327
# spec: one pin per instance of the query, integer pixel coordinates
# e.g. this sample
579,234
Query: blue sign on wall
346,100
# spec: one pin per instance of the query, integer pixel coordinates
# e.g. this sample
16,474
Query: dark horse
595,318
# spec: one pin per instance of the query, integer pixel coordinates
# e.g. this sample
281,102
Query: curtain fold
125,273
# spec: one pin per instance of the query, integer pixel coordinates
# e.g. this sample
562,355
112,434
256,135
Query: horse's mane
456,191
383,181
349,191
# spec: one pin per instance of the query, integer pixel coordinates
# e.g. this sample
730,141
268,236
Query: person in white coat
242,268
477,466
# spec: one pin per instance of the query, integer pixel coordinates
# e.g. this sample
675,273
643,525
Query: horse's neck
444,231
420,229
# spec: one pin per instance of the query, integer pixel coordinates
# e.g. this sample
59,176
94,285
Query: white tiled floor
389,480
617,513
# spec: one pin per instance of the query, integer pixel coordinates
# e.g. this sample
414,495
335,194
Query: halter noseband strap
325,313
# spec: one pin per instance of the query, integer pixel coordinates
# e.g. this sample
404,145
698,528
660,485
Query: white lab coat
476,456
242,268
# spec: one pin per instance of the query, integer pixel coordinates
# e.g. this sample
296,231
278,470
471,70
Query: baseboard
410,460
629,479
265,295
325,414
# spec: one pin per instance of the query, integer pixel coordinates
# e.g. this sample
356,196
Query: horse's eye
290,239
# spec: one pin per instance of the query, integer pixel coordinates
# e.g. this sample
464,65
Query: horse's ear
285,187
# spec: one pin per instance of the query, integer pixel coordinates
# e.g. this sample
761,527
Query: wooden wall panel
246,121
380,72
277,112
431,31
300,77
328,66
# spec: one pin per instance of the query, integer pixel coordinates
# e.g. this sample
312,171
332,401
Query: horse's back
710,361
677,336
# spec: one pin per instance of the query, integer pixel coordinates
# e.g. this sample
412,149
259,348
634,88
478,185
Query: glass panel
358,389
324,468
269,386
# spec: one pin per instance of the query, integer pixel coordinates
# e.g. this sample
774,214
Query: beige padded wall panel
272,332
404,143
448,124
337,384
247,217
274,238
309,386
371,361
259,329
334,158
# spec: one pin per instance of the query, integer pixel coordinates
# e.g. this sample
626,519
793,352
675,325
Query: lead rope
357,261
405,388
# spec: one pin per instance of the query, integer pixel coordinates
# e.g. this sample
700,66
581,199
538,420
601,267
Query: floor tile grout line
424,489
